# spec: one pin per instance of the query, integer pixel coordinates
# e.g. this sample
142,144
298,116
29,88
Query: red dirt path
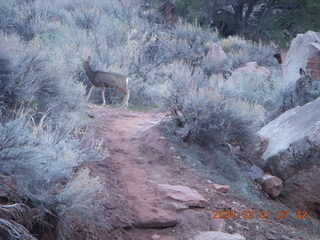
140,159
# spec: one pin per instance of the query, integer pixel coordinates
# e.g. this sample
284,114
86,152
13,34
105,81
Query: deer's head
304,76
86,64
305,79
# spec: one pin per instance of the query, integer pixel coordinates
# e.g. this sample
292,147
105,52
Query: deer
103,80
303,84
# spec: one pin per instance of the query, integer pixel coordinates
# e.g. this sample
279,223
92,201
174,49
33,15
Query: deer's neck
90,74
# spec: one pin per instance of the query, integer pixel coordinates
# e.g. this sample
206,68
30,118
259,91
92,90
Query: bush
46,157
241,51
42,109
213,118
253,88
86,18
196,37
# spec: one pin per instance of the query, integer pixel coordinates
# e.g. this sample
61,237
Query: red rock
272,185
155,221
222,188
187,195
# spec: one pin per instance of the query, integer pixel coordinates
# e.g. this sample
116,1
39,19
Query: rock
255,172
217,236
230,228
177,206
293,153
236,206
187,195
216,56
155,237
221,188
291,130
272,185
303,190
158,237
303,53
195,220
218,225
155,221
313,65
253,151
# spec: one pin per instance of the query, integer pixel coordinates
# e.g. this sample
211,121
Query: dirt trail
142,160
124,137
150,192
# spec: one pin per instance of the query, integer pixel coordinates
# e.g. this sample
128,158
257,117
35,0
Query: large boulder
304,53
293,154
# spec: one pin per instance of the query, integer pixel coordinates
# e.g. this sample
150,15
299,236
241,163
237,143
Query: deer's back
110,79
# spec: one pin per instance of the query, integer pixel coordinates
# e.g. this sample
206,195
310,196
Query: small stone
230,228
270,236
156,237
213,235
221,188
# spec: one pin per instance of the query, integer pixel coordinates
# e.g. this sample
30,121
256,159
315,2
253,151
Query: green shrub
213,118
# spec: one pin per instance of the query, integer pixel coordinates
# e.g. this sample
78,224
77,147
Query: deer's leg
127,98
103,97
89,94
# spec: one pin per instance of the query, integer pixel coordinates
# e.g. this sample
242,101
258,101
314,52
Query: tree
253,19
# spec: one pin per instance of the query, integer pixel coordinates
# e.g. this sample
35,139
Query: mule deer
303,84
102,80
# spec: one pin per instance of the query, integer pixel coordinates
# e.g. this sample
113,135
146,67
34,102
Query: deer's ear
89,59
302,72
